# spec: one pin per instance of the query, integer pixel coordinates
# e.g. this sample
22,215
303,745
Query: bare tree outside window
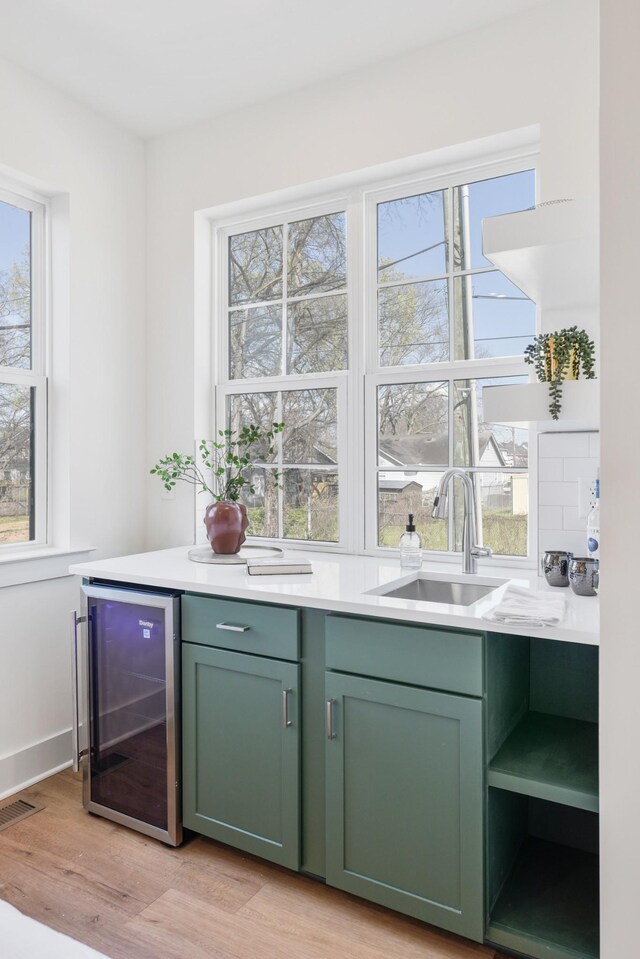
306,457
441,301
433,314
16,401
299,270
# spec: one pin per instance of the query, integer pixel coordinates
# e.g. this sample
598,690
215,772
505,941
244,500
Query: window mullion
371,358
280,469
283,372
221,341
285,294
352,474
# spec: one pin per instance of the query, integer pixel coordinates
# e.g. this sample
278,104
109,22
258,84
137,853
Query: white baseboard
34,763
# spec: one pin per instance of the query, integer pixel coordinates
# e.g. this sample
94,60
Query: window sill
32,565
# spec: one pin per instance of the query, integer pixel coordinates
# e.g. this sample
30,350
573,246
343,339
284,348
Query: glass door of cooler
131,770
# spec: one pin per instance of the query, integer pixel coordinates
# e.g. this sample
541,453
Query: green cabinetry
542,797
447,774
241,745
405,768
404,799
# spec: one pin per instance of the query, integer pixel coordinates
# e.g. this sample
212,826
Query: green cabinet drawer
243,627
420,655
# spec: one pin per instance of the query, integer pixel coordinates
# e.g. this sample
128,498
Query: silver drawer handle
232,628
329,718
285,708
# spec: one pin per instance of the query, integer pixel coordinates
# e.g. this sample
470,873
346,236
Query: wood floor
134,898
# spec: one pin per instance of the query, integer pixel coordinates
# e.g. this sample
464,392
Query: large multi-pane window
370,326
446,314
286,357
22,381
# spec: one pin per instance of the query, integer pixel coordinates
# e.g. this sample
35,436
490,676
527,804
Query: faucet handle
481,551
440,502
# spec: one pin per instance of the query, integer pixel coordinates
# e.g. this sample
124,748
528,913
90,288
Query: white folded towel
527,607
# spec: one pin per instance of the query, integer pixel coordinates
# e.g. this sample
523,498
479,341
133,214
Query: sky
14,234
504,320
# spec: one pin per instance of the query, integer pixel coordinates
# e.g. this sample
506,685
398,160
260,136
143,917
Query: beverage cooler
126,658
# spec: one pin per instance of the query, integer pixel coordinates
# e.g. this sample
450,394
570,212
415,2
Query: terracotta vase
226,523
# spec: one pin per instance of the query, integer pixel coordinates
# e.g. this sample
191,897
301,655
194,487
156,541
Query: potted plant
229,463
561,356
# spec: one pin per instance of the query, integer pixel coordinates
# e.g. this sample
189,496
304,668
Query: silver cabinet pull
329,718
285,708
75,689
232,628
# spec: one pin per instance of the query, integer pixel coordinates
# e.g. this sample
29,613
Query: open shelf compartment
548,907
542,797
545,882
551,757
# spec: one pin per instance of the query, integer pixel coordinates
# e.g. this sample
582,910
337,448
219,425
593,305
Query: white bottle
410,547
593,526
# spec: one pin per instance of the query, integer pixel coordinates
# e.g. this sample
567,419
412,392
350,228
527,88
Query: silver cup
555,566
584,575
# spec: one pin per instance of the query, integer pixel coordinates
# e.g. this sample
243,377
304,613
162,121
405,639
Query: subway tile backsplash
567,469
551,469
558,494
564,444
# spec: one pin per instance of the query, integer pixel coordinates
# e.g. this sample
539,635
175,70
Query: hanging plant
561,356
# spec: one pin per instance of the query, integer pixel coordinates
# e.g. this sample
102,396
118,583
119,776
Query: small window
22,382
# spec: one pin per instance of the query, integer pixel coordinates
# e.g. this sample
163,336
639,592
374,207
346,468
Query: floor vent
15,811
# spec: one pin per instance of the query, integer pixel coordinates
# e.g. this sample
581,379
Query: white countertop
342,583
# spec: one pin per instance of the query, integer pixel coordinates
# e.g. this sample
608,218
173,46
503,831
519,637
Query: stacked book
277,566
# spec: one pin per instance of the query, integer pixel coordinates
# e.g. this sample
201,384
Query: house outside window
370,323
23,469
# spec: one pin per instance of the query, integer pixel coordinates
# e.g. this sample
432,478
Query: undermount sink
427,589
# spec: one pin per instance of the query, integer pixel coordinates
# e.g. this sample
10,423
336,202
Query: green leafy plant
227,462
559,356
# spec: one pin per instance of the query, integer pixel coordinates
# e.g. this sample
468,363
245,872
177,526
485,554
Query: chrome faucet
470,549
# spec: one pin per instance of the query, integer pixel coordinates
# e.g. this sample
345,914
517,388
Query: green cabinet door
405,800
241,747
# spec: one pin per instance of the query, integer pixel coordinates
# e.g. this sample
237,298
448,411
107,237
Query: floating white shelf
550,252
529,402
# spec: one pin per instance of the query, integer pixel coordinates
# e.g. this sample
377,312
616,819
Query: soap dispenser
410,547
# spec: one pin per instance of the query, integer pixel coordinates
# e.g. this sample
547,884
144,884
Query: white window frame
37,376
341,380
377,375
357,386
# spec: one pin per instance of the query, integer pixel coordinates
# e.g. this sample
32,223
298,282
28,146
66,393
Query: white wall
620,629
96,173
538,68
